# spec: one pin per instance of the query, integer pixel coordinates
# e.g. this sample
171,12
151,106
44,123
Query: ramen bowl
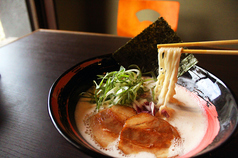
64,95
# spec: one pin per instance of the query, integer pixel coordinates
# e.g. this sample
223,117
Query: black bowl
64,95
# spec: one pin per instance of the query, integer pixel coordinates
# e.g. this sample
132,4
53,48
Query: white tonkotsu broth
189,119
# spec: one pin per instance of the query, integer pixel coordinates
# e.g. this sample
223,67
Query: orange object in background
128,23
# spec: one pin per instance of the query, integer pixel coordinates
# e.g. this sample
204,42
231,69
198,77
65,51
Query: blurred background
198,20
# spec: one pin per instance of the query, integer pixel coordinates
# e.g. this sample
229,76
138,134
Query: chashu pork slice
108,123
146,133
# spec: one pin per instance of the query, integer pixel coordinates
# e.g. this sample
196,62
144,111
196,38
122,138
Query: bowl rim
52,117
93,153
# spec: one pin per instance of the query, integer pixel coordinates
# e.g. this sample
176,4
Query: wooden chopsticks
205,43
201,51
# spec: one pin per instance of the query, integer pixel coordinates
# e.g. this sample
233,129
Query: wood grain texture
30,65
28,68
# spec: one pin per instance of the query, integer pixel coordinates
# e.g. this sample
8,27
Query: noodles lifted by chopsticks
169,59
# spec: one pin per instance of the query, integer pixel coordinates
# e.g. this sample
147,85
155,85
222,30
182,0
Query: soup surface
196,123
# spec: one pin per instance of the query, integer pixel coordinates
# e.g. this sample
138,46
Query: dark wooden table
30,65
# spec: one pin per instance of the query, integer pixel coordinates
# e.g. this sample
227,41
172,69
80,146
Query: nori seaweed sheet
142,50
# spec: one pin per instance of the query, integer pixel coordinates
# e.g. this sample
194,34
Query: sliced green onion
119,87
